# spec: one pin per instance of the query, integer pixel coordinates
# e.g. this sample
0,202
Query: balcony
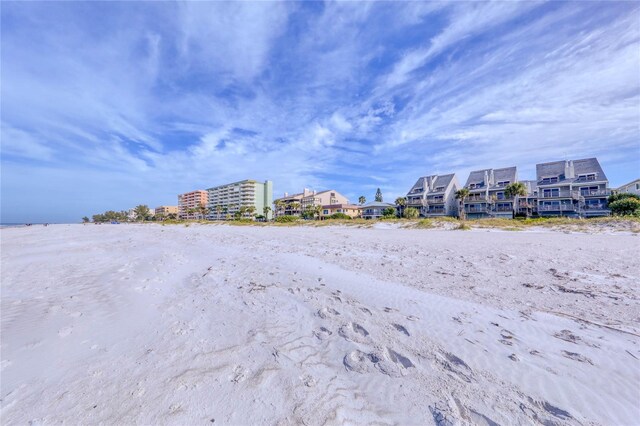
503,209
594,193
472,209
435,200
565,193
558,208
595,207
476,197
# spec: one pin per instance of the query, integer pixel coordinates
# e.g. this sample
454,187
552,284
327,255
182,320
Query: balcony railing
595,207
558,208
476,197
557,194
596,193
470,209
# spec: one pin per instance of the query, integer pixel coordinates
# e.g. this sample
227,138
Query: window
637,185
504,183
325,211
548,180
587,177
551,192
500,195
440,189
589,190
475,185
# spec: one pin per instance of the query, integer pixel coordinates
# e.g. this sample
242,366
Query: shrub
628,206
389,212
411,213
286,219
425,224
463,227
340,216
617,197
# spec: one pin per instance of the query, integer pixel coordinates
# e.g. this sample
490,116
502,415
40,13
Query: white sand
243,325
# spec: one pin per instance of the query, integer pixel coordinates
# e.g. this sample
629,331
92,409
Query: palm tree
141,211
203,210
278,207
295,207
266,210
251,211
515,190
400,202
85,220
362,200
462,194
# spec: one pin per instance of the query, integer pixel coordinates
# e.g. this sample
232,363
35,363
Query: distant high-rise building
189,201
166,210
246,199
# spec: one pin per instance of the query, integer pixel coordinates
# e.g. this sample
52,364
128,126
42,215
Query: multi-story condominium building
290,205
166,210
528,205
632,187
348,209
323,198
577,188
375,209
434,195
486,193
189,201
246,198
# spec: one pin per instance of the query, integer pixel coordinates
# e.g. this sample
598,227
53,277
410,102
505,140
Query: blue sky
109,105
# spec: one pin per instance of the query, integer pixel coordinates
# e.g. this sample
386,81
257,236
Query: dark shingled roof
440,180
499,175
581,167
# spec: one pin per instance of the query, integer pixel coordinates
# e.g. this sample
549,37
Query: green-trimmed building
247,197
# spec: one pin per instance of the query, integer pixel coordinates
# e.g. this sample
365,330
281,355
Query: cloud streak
144,101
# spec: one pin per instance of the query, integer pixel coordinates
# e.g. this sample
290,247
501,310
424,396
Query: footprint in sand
353,332
325,312
358,362
322,333
401,329
239,374
455,365
576,357
64,332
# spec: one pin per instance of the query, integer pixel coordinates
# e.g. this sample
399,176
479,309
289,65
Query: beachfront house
486,193
323,198
350,210
632,187
246,199
434,196
573,188
375,209
164,211
290,204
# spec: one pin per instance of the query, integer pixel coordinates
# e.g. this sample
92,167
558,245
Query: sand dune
145,324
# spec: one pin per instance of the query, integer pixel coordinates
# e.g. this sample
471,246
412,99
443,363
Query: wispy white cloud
349,95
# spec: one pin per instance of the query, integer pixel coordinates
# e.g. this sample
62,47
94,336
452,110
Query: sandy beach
150,324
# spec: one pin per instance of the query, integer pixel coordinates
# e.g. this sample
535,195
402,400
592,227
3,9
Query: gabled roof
499,175
378,204
430,183
580,167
